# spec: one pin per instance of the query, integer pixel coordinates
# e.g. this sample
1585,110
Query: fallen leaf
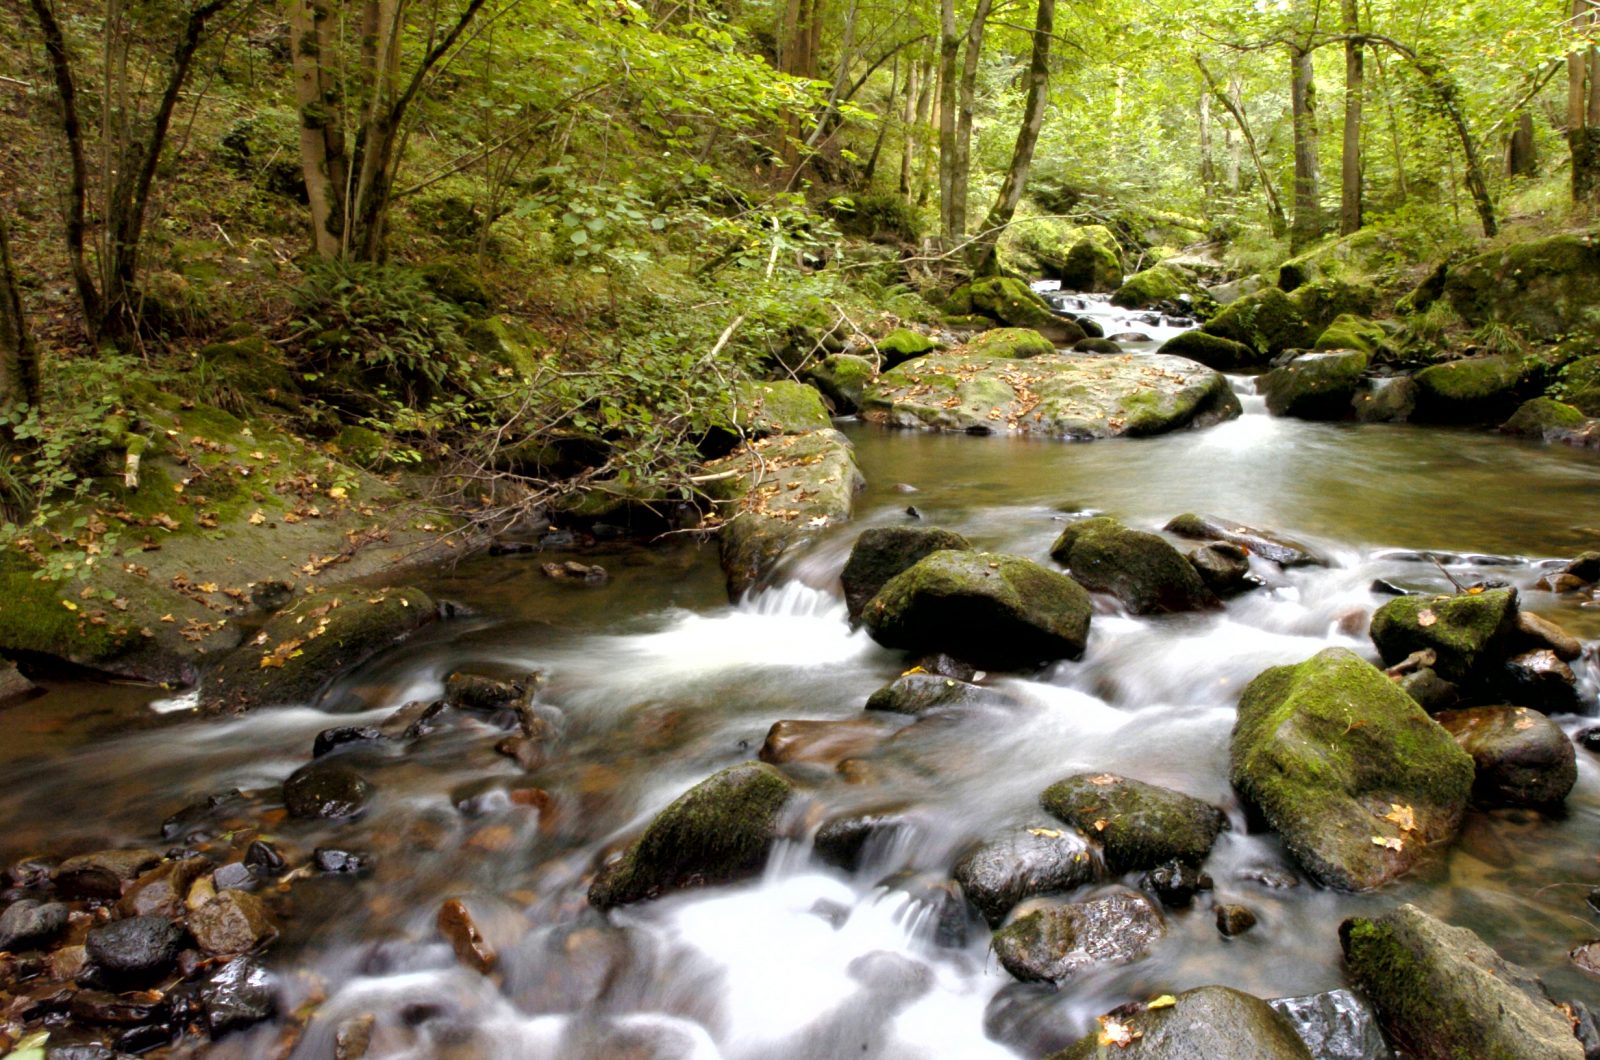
168,618
1402,815
1100,825
1102,779
1164,1001
257,518
1426,617
1388,842
1047,833
913,670
1116,1032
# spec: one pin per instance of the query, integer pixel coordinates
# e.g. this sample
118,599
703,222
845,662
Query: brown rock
457,926
1559,583
1540,632
12,683
354,1037
232,922
1234,920
104,873
162,890
824,742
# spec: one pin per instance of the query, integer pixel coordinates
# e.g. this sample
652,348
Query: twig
1459,587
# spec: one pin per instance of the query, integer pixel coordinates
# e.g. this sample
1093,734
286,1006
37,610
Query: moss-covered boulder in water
995,611
781,406
1471,633
1056,942
1077,396
881,552
1140,569
1545,288
1017,344
1213,351
1004,300
1267,322
1315,386
842,378
717,832
1578,384
1522,757
310,642
1476,389
1210,1022
1165,287
1139,825
1544,418
1083,258
902,344
1350,770
1350,332
783,489
1321,302
1441,991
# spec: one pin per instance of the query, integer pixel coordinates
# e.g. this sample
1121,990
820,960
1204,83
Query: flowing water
661,682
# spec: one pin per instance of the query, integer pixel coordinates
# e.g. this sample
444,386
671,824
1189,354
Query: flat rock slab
1061,395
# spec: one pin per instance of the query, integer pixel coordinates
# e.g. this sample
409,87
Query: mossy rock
1083,258
816,481
457,285
365,448
1353,774
1017,344
253,368
1140,569
1139,825
1005,300
995,611
1545,288
1165,287
1213,1022
509,344
719,831
310,642
1315,386
1351,332
1544,418
1321,302
1522,757
881,552
1267,322
1578,384
44,617
1441,991
902,344
1386,400
842,378
781,406
1470,633
1477,389
1213,351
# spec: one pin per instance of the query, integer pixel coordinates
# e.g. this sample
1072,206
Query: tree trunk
949,46
1307,226
1234,104
883,126
909,128
322,133
961,178
1355,78
1208,169
983,256
1521,159
1583,115
1235,145
19,368
927,126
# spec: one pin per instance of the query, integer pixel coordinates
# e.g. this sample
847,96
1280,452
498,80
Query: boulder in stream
718,831
1476,389
1546,419
1224,567
842,378
1140,569
1058,395
1213,351
1267,322
1280,550
313,640
1522,758
1541,680
1350,770
780,406
1209,1022
1020,863
822,742
881,552
1335,1025
1003,299
1441,991
232,922
1013,344
135,951
996,611
1315,386
1056,941
1163,286
1138,825
326,789
29,923
777,491
919,693
1470,633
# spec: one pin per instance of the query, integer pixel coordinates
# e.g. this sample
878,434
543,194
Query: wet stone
201,821
922,692
330,740
232,922
825,742
1021,863
891,976
263,859
461,931
103,873
847,841
326,790
161,891
30,923
1224,567
1541,680
139,949
99,1006
143,1039
1175,883
238,994
331,860
31,872
1056,942
477,692
1539,632
1234,920
235,875
81,1051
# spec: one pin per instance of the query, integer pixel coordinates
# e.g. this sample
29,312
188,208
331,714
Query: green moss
842,378
1267,322
508,343
455,284
718,831
49,618
1542,417
1324,301
1083,258
1213,351
1005,300
1470,632
1142,570
902,344
1012,343
1161,287
1578,384
1544,288
1139,825
1317,386
1351,332
781,406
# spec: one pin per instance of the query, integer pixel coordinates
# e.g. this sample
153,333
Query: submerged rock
1353,774
1522,758
1207,1023
1440,991
1315,386
237,995
881,552
826,742
1058,395
1335,1025
717,832
1141,570
996,611
1234,920
303,647
1269,546
1539,679
920,693
1470,633
326,789
846,840
1055,942
1139,825
1020,863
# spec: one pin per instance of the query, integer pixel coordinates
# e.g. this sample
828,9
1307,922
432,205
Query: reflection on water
660,682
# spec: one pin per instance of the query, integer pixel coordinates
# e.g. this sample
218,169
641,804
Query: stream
662,682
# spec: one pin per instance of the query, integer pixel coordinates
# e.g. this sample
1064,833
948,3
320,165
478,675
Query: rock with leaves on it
1020,863
881,552
717,832
1471,634
1015,344
1264,543
1140,569
903,344
1441,991
1209,1022
1353,774
1138,825
1522,758
995,611
780,406
312,640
